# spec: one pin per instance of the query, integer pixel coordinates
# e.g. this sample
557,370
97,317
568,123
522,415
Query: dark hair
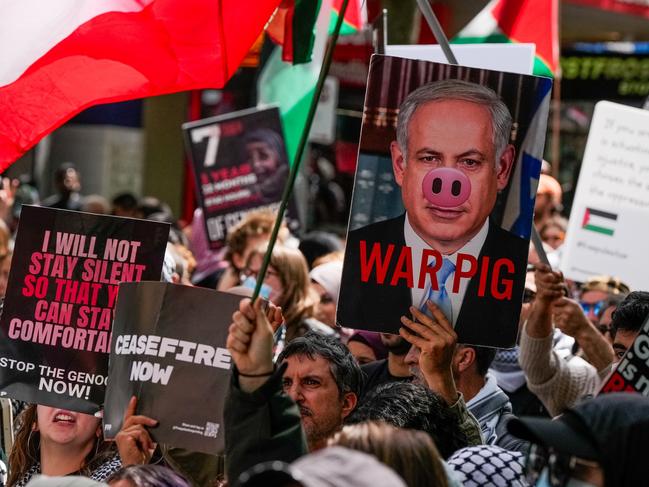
344,368
149,205
631,313
412,406
484,356
318,243
62,170
125,200
150,476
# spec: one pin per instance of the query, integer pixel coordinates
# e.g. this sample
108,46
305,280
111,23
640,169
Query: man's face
622,342
412,361
591,302
323,407
605,322
453,134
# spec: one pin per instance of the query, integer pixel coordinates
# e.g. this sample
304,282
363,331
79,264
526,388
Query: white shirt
417,246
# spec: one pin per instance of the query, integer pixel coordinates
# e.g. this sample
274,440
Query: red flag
71,56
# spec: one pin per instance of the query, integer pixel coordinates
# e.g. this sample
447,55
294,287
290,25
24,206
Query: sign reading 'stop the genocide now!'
58,312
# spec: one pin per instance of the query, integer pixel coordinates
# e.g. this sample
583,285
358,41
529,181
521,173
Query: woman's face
271,279
61,427
261,156
326,308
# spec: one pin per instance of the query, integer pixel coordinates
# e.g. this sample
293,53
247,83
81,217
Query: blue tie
440,296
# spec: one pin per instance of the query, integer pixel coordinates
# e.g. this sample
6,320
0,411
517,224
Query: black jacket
261,426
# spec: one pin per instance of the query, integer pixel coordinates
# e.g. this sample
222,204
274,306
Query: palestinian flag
599,221
518,21
293,28
355,17
292,87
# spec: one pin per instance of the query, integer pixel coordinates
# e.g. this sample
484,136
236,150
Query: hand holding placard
250,342
134,443
436,341
549,284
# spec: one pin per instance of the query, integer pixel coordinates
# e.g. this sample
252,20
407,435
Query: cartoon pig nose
446,187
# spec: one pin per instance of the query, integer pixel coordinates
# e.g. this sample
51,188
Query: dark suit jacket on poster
379,307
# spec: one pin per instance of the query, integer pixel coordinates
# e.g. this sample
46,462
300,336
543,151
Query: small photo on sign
240,164
443,199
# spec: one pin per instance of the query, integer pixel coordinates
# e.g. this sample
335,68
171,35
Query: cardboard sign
240,165
513,58
606,233
632,373
323,129
169,351
58,311
448,217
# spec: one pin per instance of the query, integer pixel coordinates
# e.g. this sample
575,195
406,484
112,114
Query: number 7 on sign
213,135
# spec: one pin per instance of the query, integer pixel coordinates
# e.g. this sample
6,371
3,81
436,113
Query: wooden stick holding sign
288,189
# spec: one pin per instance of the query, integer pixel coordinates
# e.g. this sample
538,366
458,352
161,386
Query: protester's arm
536,356
133,441
557,383
571,320
436,340
261,422
467,422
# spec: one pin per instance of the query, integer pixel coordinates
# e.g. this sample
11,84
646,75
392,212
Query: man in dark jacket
320,383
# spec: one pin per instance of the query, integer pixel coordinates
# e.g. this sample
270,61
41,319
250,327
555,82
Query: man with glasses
599,443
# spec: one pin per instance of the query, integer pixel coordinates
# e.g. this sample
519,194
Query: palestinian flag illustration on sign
599,221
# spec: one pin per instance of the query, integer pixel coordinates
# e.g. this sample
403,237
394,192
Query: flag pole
440,37
288,189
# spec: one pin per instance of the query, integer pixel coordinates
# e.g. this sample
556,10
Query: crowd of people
313,404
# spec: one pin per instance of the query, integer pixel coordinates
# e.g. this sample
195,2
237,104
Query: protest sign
169,351
632,373
606,234
513,58
58,311
323,129
240,164
442,207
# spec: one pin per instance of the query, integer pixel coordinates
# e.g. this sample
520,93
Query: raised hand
435,340
250,342
134,443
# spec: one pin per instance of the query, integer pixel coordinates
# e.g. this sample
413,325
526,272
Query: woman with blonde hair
287,285
410,453
57,442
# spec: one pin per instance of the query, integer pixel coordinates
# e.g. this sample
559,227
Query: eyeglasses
595,307
560,467
254,274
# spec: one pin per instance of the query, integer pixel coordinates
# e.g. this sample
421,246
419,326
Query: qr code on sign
211,429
